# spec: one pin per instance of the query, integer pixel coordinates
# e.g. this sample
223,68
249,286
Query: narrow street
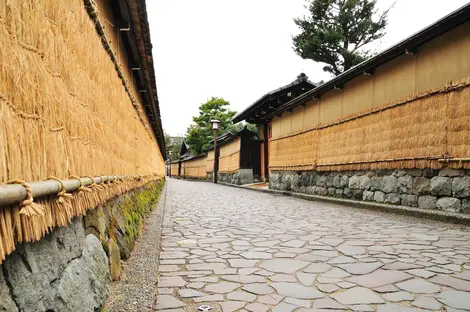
236,249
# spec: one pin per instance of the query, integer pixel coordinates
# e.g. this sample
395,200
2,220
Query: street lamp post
215,127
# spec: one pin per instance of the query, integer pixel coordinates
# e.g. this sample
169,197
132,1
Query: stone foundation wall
445,189
72,268
240,177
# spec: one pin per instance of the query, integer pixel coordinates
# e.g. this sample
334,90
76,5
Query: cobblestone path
239,250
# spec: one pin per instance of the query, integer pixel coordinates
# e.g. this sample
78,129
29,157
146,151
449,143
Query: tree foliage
200,133
336,32
173,145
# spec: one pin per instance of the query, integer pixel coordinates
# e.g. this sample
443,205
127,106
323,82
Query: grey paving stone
295,290
427,303
362,308
258,289
360,268
421,273
399,265
464,275
306,279
335,273
298,302
351,250
241,296
386,289
455,299
288,266
453,282
242,263
175,281
317,268
327,288
256,255
345,285
271,299
165,291
222,287
190,293
168,302
379,278
205,266
342,260
398,296
284,307
244,279
327,303
210,298
230,306
196,285
257,307
419,286
283,278
226,271
395,307
357,295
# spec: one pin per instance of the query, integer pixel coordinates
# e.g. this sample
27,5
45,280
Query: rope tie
93,184
62,193
81,189
28,206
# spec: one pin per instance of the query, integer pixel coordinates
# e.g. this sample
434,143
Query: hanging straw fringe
28,206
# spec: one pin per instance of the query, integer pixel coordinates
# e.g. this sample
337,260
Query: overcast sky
242,49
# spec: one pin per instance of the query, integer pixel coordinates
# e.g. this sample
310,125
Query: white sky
242,49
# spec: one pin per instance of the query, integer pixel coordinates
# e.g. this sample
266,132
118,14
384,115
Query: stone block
390,184
466,205
305,179
95,223
414,172
449,204
409,200
114,256
245,176
441,186
357,194
321,180
421,186
427,202
376,183
339,192
323,191
392,198
451,173
399,173
354,182
344,181
337,181
329,180
429,173
461,186
405,184
368,195
347,193
6,302
331,191
379,196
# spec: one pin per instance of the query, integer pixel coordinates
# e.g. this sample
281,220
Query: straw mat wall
64,112
229,160
194,168
174,170
418,132
210,161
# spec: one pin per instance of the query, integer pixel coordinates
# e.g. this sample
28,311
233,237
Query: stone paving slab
260,252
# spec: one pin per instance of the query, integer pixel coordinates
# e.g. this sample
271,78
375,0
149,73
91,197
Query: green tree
336,32
173,145
200,133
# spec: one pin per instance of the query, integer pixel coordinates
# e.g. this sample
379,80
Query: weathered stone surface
327,303
357,295
379,278
395,307
210,298
283,278
271,299
419,286
327,288
449,204
258,289
241,296
360,268
421,186
351,250
398,296
452,282
205,266
244,279
392,198
299,302
256,255
368,195
287,266
256,307
295,290
284,307
390,184
222,287
168,302
441,186
231,306
173,281
317,268
306,279
409,200
455,299
427,303
190,293
427,202
421,273
6,302
405,184
461,187
242,263
114,260
379,196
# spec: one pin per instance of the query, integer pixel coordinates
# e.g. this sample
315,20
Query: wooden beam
369,72
411,51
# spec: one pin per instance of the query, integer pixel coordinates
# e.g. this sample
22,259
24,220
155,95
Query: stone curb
450,217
